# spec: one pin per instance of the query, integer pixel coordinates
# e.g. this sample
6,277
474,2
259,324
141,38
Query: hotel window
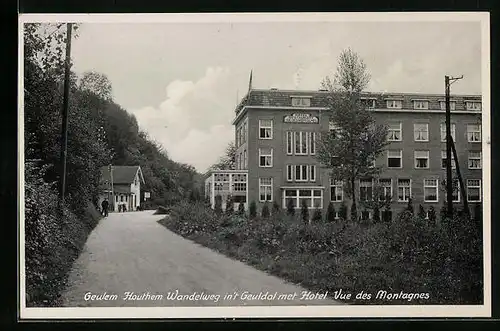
420,104
474,160
336,190
289,172
312,197
301,173
404,189
265,157
422,159
300,143
237,162
473,105
397,104
443,131
245,131
365,189
395,132
265,189
240,187
265,129
289,142
473,133
453,105
301,102
368,103
421,131
430,190
474,190
312,143
385,189
245,159
443,160
365,215
312,173
395,158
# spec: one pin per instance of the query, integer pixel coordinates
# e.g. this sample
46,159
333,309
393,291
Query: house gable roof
121,174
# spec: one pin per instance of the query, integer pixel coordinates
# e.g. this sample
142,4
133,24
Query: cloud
193,123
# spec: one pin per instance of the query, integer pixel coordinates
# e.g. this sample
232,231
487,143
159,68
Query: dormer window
420,104
453,105
368,103
301,101
395,104
473,105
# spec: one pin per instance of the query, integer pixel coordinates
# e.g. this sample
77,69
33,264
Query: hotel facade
276,133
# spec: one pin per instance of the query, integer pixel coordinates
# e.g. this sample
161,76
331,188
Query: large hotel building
276,133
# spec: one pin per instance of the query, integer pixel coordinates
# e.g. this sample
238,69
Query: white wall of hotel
227,183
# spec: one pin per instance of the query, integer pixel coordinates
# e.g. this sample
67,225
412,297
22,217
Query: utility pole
64,133
449,180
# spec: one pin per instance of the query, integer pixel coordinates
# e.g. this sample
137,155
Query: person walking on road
105,205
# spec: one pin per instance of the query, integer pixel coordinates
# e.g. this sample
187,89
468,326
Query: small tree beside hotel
354,140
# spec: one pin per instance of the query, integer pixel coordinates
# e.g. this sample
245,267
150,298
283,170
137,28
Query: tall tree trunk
354,212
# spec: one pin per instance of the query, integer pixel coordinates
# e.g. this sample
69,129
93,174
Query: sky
182,81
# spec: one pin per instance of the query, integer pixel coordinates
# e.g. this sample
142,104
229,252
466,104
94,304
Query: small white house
227,183
124,184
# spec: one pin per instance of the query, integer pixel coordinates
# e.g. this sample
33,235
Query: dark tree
218,204
330,212
432,215
241,208
290,208
252,210
317,216
343,211
276,208
421,212
304,211
265,210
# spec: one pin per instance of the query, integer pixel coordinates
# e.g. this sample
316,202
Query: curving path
131,252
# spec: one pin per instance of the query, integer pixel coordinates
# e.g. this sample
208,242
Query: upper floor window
395,158
385,193
443,131
265,189
473,133
300,142
422,159
421,131
474,159
420,104
265,129
473,105
301,102
474,190
395,132
398,104
444,160
453,105
265,157
245,159
334,129
368,103
431,190
404,189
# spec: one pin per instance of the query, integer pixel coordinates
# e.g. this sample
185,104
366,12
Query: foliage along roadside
409,254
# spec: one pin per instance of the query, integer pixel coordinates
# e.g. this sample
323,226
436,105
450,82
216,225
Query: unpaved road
131,252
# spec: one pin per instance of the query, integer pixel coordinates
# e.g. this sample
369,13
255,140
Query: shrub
443,213
229,205
304,213
290,209
276,208
478,212
317,216
421,212
252,210
343,211
218,204
241,208
376,213
354,212
409,207
432,215
330,212
265,210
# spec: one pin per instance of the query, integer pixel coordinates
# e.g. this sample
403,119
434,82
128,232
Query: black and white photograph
254,165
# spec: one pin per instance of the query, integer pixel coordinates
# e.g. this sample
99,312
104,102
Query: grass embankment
408,254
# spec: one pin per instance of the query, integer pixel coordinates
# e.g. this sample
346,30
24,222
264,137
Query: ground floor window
430,190
404,189
336,190
313,198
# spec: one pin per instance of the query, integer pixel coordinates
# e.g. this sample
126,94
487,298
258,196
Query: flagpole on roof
250,81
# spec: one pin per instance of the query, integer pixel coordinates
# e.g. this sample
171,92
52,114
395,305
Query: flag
250,81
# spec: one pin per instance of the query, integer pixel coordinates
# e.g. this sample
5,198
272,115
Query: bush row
409,254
